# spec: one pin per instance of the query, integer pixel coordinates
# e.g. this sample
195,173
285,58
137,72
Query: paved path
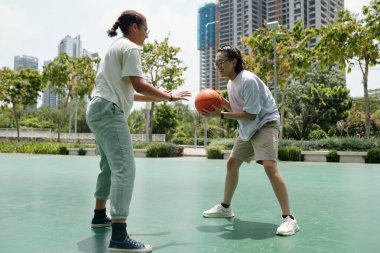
192,151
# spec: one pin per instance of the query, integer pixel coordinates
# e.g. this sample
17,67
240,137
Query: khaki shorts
263,145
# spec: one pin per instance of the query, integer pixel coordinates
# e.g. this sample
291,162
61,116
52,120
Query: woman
119,82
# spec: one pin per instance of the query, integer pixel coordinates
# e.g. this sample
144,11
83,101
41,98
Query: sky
36,27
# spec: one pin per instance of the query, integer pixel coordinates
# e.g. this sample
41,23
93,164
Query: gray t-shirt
122,59
248,93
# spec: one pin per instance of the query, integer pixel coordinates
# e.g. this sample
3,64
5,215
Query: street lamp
210,48
273,26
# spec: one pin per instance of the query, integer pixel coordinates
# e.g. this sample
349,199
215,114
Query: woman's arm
142,98
143,87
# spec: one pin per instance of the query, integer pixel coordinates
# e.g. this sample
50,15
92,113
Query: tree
294,56
372,17
349,42
136,121
165,120
319,99
19,88
70,77
162,68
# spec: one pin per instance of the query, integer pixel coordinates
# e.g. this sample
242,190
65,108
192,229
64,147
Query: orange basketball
206,98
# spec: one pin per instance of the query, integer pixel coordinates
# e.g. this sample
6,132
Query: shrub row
32,147
163,150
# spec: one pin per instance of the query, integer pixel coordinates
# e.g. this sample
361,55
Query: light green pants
117,165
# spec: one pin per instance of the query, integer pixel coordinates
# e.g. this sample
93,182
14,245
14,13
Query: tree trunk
16,120
60,122
282,112
367,102
150,123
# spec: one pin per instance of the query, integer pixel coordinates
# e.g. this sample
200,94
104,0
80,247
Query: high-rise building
25,61
49,97
71,46
313,13
207,45
238,18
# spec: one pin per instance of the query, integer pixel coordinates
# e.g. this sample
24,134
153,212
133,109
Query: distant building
71,46
314,13
207,45
25,61
49,97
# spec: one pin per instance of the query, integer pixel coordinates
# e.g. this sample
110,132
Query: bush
332,156
373,155
332,132
62,150
82,151
225,143
317,135
214,152
290,153
140,144
163,150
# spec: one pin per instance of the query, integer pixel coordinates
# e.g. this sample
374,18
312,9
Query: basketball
205,99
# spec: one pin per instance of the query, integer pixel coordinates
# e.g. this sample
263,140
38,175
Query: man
252,105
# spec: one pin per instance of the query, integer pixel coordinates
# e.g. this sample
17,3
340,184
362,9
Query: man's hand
212,114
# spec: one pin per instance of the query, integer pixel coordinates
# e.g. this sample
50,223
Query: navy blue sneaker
101,223
129,245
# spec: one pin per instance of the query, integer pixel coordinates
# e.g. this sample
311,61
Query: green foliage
373,155
332,156
140,144
163,150
82,151
165,120
136,121
73,78
33,147
317,135
290,153
342,144
225,143
19,88
214,152
162,68
351,41
36,123
62,150
324,101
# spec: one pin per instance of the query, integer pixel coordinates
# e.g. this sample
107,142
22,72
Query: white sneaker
288,226
218,211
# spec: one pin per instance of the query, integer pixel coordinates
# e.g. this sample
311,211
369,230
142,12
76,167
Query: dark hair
126,19
233,53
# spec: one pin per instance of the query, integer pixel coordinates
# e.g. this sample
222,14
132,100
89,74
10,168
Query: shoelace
135,243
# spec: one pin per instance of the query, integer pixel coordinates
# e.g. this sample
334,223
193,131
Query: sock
119,232
291,216
225,205
100,214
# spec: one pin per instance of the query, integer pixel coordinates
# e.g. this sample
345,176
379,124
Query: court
47,205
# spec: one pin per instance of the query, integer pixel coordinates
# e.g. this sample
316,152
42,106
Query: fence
47,134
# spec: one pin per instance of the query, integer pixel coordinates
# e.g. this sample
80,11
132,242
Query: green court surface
47,205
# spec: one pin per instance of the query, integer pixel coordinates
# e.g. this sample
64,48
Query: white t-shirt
121,59
248,93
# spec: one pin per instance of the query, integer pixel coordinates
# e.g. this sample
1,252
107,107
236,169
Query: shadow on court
240,229
98,243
